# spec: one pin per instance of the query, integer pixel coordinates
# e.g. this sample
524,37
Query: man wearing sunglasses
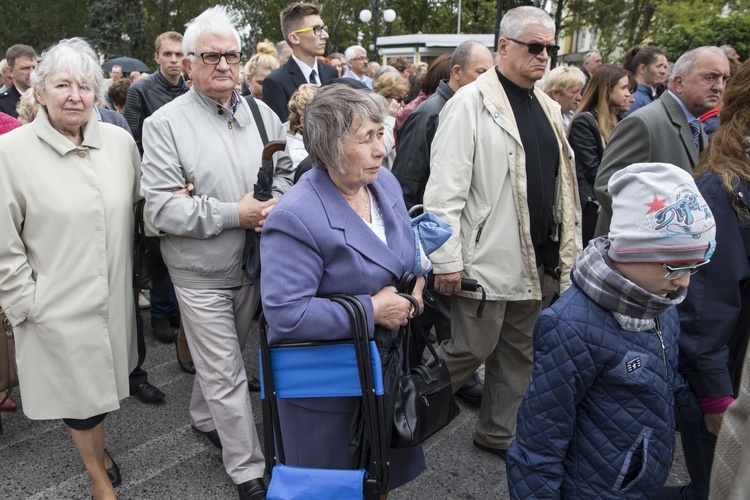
306,34
501,173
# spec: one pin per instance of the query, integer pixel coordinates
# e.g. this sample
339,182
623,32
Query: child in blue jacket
598,418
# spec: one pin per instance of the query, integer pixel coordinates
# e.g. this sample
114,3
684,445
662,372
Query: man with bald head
502,176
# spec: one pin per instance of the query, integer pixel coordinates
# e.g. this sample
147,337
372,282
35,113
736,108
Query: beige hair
563,78
27,107
297,104
391,84
265,58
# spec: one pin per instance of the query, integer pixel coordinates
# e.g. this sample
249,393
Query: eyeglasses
317,30
360,58
213,58
537,48
674,273
399,98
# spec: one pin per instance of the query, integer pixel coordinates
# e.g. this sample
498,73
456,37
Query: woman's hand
417,293
390,310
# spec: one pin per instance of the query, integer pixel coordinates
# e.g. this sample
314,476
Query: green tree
40,24
733,30
116,28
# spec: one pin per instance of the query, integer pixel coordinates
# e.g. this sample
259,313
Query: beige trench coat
66,222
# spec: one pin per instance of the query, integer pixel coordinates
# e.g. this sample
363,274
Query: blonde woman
297,104
564,85
259,67
393,87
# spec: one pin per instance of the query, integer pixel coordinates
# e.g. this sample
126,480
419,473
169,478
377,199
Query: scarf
633,307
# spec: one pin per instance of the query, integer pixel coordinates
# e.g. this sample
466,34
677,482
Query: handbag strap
255,109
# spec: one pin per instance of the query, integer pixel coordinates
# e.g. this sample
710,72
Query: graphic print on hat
658,215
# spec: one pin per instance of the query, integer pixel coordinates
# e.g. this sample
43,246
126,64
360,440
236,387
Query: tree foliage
732,30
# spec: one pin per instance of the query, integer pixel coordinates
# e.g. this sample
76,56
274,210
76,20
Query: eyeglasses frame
220,54
311,28
682,271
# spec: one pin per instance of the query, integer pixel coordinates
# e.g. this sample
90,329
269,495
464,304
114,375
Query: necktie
695,126
313,80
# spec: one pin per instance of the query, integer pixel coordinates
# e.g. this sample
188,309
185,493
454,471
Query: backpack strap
256,115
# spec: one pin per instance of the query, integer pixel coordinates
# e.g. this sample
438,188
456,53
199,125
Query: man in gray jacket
669,129
208,141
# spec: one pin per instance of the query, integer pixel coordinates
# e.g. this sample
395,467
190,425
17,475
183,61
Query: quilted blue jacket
598,418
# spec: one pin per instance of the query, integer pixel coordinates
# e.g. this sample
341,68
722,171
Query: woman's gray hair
515,21
331,115
218,20
77,58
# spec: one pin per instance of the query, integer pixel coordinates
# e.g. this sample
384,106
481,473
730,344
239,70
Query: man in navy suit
303,29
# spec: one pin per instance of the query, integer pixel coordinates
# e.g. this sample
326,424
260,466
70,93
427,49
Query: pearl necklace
366,211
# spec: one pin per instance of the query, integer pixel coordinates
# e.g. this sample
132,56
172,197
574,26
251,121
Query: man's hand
187,191
253,213
448,283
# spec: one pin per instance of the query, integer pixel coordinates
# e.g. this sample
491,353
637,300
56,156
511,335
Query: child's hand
713,422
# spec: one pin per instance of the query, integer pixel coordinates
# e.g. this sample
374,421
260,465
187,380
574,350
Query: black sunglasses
537,48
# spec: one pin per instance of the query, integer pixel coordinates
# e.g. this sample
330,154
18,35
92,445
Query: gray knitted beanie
658,215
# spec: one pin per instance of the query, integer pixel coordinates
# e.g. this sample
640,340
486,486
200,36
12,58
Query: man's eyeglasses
317,30
360,58
674,273
537,48
213,58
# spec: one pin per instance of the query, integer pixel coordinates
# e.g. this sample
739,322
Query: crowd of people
581,199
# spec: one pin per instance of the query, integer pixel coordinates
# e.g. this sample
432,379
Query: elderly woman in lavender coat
343,228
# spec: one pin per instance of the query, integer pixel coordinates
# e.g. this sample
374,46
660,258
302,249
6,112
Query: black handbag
424,401
148,266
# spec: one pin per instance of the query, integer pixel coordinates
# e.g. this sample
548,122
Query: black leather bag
148,266
424,399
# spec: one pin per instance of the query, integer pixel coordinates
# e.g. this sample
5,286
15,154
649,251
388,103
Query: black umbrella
127,64
261,192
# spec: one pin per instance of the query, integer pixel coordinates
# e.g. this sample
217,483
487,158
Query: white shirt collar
306,70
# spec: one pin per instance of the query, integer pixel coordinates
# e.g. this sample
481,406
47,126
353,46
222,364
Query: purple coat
314,245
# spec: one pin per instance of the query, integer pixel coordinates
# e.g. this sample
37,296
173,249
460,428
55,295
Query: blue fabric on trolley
320,371
296,483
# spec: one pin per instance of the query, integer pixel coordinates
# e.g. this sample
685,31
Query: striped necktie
695,126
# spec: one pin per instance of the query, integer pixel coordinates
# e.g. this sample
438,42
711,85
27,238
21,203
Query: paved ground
162,458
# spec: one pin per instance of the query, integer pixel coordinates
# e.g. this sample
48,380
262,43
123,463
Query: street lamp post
366,15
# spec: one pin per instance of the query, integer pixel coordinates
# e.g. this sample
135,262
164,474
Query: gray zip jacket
193,139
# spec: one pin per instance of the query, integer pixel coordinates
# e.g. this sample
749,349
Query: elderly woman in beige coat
67,187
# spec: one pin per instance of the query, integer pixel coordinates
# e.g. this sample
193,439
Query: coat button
497,115
82,154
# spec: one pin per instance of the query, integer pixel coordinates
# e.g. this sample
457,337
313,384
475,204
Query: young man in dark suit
306,34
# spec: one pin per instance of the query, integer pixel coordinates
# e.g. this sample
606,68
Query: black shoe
255,489
186,366
113,472
174,320
472,390
212,436
253,384
497,451
162,329
147,393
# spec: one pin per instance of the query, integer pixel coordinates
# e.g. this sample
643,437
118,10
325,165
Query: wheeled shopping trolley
343,368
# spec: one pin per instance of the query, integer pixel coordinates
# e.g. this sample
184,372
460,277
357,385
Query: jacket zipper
666,374
242,169
663,349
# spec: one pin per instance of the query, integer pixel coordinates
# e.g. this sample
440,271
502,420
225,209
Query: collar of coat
242,115
497,103
47,133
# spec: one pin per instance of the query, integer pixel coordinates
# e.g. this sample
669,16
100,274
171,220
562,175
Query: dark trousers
138,375
163,300
698,445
